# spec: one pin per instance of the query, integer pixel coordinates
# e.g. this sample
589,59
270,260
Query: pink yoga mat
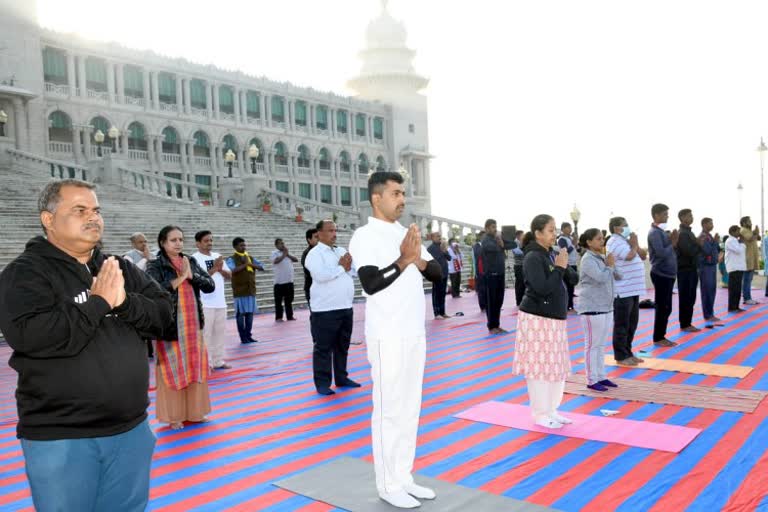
642,434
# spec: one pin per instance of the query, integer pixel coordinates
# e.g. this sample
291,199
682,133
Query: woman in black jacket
541,346
182,361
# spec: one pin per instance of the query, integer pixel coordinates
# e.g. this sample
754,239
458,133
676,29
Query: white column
20,124
123,147
159,148
120,82
155,90
76,144
82,82
236,105
267,110
87,143
147,95
331,122
187,96
110,81
369,128
179,95
209,99
183,149
244,106
350,125
71,78
216,101
290,111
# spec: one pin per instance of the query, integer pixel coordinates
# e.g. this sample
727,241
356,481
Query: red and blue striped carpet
268,423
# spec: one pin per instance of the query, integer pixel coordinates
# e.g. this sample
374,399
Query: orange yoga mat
685,395
679,365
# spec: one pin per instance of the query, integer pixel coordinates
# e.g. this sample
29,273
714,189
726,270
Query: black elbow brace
433,273
373,279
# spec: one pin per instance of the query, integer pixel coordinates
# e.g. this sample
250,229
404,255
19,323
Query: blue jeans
93,474
244,323
746,285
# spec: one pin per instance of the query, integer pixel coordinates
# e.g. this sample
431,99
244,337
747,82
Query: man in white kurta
390,263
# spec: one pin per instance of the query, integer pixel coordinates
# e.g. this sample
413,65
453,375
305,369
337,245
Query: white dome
385,32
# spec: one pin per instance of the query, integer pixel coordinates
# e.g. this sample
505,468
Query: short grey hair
136,236
50,196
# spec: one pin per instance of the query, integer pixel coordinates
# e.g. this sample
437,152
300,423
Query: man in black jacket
439,253
75,321
494,262
688,253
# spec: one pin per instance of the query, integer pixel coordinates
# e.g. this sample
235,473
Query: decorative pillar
87,143
155,90
76,144
208,99
179,95
82,77
187,97
216,101
236,105
20,124
147,96
184,155
350,125
263,111
120,68
369,128
332,122
159,148
71,78
267,110
111,81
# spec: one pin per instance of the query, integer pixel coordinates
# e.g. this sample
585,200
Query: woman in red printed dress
182,361
541,347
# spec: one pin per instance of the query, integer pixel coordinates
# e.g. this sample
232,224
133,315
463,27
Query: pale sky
534,105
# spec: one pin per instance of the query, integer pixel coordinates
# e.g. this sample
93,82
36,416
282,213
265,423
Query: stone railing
447,227
202,161
59,90
162,186
199,112
287,205
60,147
168,107
56,168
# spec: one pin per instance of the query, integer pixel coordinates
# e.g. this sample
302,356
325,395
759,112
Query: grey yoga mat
349,484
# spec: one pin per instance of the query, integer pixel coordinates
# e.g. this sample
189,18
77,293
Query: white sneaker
400,499
548,423
419,491
561,419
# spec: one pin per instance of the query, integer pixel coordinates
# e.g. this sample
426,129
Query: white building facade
179,119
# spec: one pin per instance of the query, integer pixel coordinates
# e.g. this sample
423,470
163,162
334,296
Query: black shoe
291,319
347,383
325,391
249,340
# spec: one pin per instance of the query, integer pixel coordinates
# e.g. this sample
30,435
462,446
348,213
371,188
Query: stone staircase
126,211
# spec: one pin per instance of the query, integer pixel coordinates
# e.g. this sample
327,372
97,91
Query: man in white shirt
736,265
331,299
455,266
282,266
391,263
630,259
214,304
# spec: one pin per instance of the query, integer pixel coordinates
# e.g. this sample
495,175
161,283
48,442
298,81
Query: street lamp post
253,154
761,149
3,121
229,158
98,137
113,134
575,216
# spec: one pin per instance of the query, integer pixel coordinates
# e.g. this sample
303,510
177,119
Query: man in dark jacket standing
661,248
688,253
477,262
494,261
439,253
710,257
75,321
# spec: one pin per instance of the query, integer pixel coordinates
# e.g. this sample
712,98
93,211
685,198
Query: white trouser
545,397
597,328
397,369
214,331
